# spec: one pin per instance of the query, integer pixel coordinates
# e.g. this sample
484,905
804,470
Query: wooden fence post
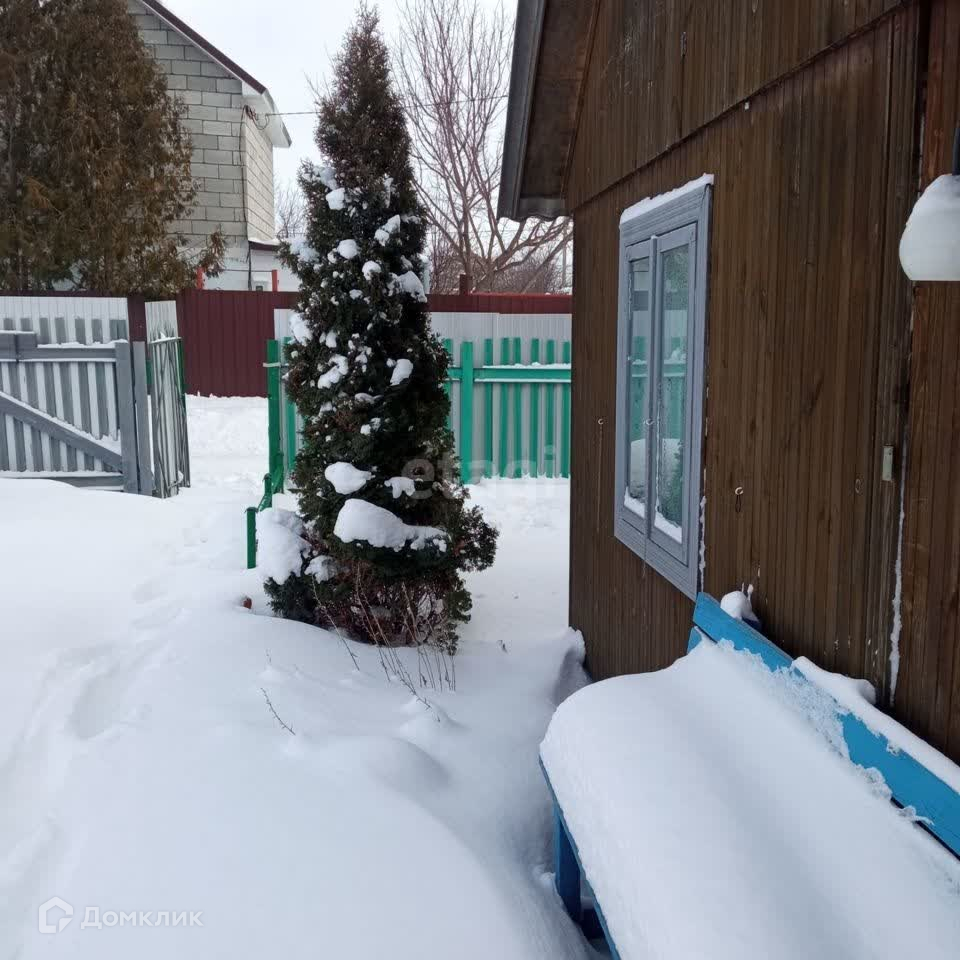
466,411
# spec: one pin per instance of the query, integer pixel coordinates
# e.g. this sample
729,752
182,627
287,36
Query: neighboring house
759,394
235,126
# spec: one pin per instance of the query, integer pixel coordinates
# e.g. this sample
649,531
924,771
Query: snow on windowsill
634,505
649,204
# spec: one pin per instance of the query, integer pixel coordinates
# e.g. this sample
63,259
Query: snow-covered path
144,770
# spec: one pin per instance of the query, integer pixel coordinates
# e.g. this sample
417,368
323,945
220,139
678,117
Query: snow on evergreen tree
377,480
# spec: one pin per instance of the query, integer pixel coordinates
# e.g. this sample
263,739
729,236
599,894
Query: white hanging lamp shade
930,246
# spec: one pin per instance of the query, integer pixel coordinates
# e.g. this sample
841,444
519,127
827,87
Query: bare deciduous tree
290,210
453,68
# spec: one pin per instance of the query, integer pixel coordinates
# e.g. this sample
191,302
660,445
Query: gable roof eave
551,49
523,71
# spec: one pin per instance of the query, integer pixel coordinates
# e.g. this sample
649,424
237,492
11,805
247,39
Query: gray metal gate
77,402
171,448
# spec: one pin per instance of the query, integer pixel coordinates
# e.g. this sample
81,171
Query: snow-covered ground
170,759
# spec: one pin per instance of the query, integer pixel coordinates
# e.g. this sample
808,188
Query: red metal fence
224,332
501,303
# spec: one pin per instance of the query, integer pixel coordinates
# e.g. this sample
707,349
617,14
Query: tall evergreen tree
94,160
377,481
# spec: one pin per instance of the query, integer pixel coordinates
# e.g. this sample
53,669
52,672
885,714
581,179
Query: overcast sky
282,43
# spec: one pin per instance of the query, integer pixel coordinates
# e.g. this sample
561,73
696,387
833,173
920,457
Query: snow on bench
726,807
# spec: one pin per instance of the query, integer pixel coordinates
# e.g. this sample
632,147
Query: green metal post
251,537
268,488
504,421
565,418
534,413
290,411
466,411
273,405
448,384
550,454
488,413
517,414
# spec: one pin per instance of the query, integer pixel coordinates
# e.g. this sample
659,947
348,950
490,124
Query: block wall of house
258,173
214,116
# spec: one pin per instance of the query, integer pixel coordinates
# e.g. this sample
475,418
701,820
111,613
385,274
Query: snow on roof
716,815
276,129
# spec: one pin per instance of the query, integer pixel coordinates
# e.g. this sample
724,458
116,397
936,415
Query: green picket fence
510,418
513,416
276,474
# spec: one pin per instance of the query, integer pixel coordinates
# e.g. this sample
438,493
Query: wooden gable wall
808,330
928,690
659,70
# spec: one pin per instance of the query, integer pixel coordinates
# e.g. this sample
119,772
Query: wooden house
760,395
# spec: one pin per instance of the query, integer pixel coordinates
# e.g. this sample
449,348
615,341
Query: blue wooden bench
911,783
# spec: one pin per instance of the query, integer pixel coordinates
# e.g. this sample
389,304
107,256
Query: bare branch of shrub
276,715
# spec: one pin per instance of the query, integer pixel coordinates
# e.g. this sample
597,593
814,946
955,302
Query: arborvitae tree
377,480
94,161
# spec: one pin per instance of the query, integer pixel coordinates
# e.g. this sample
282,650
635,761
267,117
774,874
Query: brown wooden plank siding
928,690
807,325
660,71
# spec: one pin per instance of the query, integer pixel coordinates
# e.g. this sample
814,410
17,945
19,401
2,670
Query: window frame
674,222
